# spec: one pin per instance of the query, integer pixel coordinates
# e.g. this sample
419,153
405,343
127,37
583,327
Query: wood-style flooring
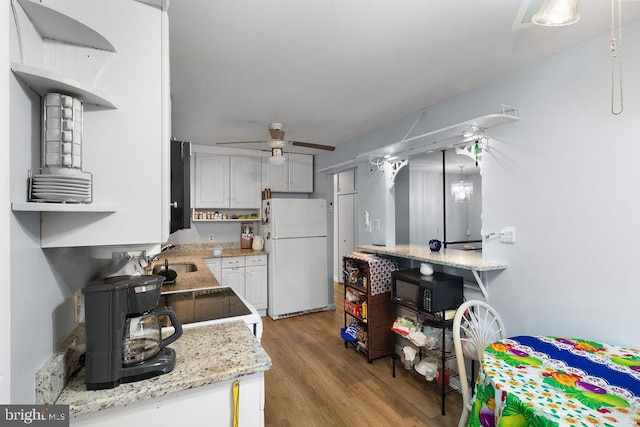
316,381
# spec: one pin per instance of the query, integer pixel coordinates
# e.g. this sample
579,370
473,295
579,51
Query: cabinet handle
236,402
174,205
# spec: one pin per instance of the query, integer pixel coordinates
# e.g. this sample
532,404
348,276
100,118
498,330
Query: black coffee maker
124,336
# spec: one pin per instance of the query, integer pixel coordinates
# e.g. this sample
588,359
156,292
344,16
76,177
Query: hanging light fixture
277,156
556,13
462,190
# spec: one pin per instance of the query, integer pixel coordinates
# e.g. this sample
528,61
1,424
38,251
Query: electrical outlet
78,304
508,235
212,238
377,223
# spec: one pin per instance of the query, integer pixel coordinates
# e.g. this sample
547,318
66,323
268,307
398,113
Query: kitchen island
465,260
210,359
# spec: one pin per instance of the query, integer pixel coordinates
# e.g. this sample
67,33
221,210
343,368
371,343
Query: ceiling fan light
556,13
277,157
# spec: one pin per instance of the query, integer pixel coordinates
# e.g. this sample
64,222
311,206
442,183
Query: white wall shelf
54,25
446,137
43,81
227,220
62,207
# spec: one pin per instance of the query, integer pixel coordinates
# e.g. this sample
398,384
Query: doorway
345,234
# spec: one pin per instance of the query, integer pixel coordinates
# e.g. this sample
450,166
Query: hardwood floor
316,381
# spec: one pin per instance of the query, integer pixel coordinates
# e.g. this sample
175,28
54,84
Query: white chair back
475,326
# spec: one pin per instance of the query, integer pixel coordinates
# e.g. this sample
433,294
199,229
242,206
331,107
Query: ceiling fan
277,144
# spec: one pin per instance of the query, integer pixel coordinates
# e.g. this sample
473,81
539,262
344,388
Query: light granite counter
466,260
204,355
196,254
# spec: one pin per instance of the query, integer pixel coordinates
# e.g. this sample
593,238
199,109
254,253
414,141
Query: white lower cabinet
209,405
246,275
233,274
255,283
215,265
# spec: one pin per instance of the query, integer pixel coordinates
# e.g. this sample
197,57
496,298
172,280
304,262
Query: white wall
5,214
564,176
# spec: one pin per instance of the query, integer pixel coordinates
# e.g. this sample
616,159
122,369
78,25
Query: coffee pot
143,336
124,335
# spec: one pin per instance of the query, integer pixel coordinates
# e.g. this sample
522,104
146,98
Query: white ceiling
332,70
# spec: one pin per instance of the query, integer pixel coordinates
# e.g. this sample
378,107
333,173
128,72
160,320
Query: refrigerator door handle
274,257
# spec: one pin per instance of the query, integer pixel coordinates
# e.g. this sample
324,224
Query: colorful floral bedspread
554,381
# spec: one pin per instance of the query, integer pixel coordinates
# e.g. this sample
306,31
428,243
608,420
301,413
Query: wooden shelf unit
371,279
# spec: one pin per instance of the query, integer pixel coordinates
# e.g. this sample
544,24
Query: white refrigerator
295,233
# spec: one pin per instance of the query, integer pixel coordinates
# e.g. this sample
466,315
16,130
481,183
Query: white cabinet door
215,265
255,282
295,175
300,173
127,171
274,177
234,278
256,286
211,181
245,173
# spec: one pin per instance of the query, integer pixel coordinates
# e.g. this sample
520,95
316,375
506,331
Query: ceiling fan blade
277,134
239,142
311,145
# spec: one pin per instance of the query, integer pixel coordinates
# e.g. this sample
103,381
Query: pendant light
556,13
462,190
277,156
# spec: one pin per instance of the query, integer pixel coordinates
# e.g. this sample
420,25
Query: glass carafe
143,337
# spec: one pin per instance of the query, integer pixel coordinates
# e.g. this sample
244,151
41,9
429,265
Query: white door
298,218
234,278
346,227
300,172
297,275
211,181
244,182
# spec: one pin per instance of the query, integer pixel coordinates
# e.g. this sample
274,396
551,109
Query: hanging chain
616,55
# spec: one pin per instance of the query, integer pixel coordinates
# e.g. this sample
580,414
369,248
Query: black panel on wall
180,186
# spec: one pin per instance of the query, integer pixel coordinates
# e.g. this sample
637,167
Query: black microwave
430,294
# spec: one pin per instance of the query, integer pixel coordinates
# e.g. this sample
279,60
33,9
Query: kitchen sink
182,267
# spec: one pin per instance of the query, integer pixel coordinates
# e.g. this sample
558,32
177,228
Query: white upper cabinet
211,179
244,180
294,176
222,181
65,47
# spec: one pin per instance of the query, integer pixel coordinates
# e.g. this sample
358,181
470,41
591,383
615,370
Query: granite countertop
468,260
196,254
204,355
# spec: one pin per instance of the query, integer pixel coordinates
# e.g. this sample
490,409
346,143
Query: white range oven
211,306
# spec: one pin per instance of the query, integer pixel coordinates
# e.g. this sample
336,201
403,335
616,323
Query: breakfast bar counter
466,260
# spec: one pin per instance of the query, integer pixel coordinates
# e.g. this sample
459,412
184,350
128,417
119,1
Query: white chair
475,326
